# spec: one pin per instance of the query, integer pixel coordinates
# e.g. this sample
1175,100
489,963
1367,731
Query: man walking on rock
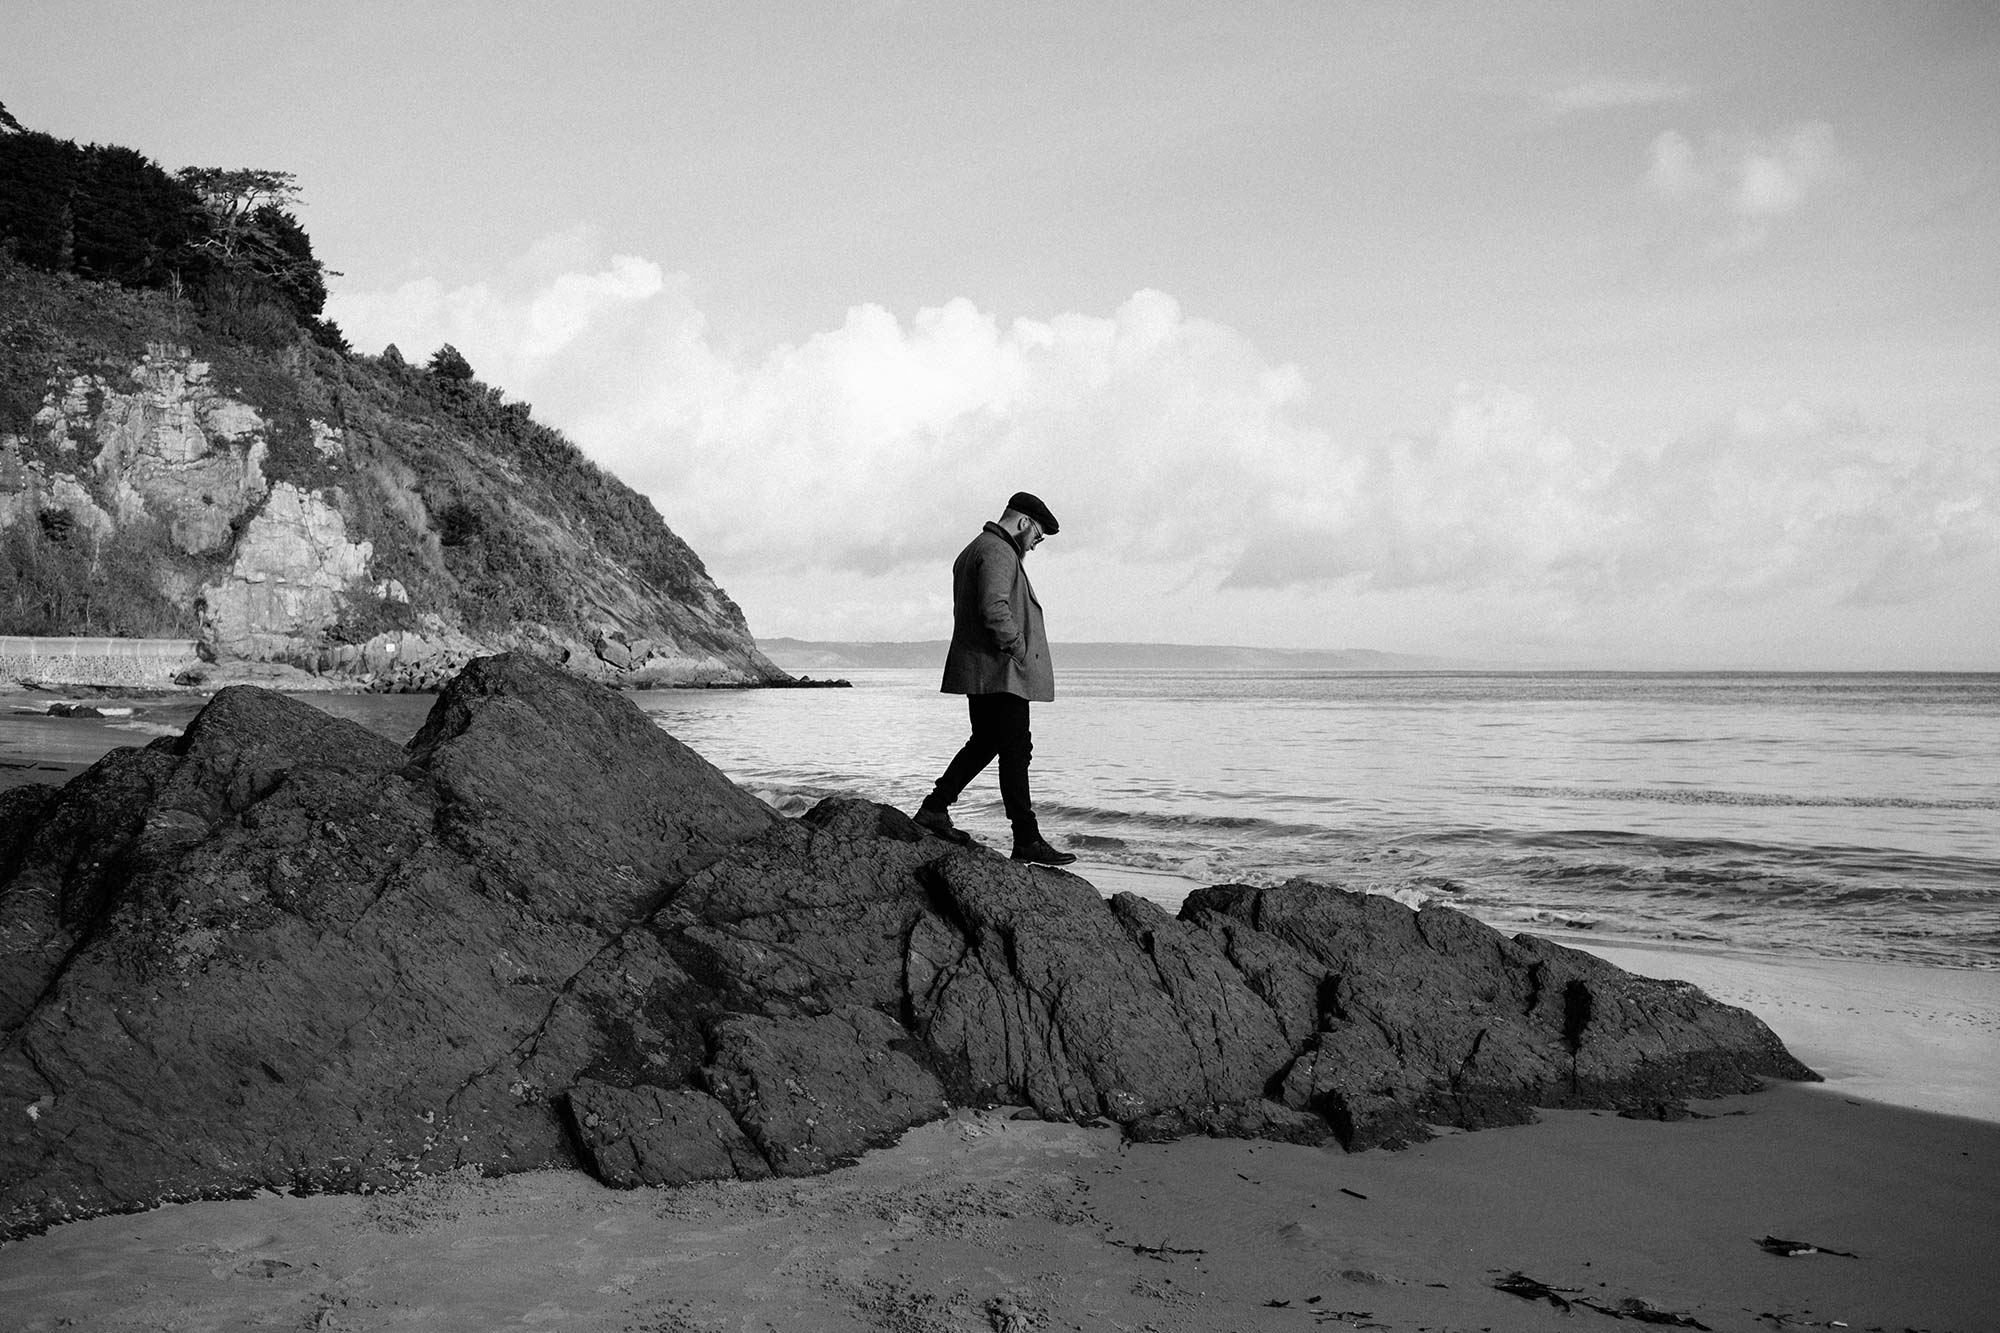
999,659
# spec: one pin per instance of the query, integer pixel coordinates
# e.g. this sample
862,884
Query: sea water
1853,815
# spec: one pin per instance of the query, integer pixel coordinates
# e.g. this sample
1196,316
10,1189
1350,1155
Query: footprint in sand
548,1312
256,1268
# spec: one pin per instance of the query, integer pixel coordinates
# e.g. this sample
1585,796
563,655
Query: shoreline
1920,1036
41,746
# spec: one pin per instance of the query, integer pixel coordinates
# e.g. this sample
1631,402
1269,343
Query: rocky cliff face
338,515
280,951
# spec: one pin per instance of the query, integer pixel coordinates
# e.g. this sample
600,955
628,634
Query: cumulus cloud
563,326
1169,444
1613,94
857,448
1767,504
1129,424
1739,185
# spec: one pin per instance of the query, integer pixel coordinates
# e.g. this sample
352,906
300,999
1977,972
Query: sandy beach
1890,1171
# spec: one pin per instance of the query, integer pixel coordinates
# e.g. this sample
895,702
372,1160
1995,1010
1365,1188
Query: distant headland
847,655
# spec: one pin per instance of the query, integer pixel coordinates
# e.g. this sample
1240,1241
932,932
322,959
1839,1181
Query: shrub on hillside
81,584
241,308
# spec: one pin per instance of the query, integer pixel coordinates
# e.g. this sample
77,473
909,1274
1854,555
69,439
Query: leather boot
936,819
1030,846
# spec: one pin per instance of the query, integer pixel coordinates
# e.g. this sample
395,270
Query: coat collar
1005,536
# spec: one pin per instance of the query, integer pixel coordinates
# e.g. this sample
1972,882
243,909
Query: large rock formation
337,515
288,574
280,951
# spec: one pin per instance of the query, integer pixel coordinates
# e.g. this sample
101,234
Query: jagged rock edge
937,906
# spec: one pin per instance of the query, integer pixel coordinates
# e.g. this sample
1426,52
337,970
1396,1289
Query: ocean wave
1170,819
1711,796
147,728
799,794
1616,883
1685,856
1765,887
792,799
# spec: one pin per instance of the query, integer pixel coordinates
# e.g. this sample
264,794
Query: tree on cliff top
234,198
113,215
252,231
448,363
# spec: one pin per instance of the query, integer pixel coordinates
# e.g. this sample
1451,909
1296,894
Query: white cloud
1766,505
862,447
1738,185
1611,94
1153,435
535,314
853,464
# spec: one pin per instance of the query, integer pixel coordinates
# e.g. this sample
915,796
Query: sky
1601,334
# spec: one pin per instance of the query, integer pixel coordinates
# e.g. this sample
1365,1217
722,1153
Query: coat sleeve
993,589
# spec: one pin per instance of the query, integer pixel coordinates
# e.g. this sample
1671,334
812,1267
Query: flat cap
1023,503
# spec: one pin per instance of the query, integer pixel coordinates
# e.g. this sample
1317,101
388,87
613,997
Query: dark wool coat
998,645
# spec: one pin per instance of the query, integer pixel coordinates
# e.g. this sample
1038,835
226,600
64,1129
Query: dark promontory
280,951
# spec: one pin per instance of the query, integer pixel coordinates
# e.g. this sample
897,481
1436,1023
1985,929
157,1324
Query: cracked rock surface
280,951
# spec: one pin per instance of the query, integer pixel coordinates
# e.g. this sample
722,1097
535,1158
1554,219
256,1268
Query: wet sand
982,1222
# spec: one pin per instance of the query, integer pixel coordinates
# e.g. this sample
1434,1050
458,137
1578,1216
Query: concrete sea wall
139,662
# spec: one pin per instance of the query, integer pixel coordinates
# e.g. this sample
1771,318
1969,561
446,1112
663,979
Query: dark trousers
999,729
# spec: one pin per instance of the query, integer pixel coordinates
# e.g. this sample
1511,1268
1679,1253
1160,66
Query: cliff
307,514
280,951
